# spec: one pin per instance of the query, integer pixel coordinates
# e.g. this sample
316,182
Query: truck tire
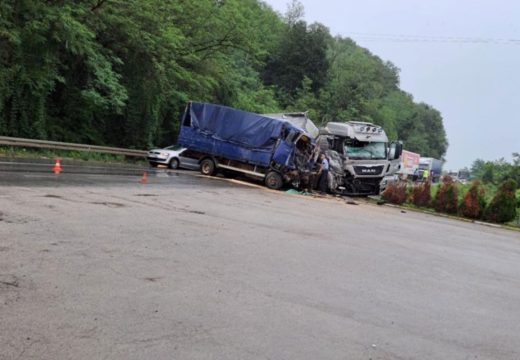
207,167
273,180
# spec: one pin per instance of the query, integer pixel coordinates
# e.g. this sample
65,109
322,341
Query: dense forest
119,72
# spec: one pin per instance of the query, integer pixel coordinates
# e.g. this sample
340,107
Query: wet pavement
186,267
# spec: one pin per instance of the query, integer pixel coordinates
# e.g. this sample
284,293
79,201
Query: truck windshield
355,149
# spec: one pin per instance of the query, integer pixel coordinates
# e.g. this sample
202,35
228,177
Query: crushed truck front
361,154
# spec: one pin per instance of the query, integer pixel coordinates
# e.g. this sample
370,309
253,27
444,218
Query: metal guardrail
55,145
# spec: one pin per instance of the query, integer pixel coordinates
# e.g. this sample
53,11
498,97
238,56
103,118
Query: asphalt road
97,267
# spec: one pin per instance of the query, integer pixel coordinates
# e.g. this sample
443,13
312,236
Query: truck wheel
174,163
207,167
273,180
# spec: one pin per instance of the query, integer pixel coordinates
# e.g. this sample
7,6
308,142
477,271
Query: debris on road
294,192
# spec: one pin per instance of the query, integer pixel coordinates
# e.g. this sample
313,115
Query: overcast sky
475,84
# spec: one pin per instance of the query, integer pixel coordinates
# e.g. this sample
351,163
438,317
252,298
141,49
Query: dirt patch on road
9,288
52,196
13,219
7,281
109,204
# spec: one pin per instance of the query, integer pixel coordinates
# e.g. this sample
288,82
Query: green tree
301,53
119,72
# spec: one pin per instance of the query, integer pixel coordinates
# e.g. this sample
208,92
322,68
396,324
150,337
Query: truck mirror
398,150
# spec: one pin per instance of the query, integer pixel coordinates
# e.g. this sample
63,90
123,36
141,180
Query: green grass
13,152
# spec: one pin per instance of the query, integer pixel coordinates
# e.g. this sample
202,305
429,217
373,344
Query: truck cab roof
362,131
298,119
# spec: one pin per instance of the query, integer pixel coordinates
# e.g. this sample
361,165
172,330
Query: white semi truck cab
360,156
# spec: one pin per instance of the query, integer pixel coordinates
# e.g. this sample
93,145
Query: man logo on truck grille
368,170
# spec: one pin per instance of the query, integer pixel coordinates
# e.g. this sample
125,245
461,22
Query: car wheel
174,163
274,180
207,167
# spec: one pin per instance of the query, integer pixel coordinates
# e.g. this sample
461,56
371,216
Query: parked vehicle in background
221,138
360,157
409,164
433,166
463,176
171,156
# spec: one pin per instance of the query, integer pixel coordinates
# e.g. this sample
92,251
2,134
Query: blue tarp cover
232,134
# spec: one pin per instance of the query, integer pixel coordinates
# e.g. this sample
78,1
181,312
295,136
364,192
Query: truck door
394,157
285,149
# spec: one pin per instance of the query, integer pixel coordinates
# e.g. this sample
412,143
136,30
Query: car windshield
173,147
365,150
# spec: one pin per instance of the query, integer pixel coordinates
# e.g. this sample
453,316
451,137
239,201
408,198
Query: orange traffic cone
57,167
144,179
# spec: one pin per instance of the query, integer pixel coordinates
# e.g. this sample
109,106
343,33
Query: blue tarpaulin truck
232,141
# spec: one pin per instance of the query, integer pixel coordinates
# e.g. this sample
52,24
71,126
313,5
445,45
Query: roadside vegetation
120,72
17,152
476,201
492,173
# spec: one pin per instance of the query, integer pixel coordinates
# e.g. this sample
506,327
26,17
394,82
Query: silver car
171,156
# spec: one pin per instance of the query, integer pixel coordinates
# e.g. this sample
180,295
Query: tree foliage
119,72
498,171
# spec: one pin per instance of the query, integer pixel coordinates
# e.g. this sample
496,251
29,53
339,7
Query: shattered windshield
355,149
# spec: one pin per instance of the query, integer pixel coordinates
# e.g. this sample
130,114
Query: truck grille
369,170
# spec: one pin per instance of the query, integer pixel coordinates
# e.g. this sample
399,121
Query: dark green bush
502,207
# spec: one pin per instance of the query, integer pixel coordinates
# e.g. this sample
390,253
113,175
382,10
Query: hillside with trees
119,72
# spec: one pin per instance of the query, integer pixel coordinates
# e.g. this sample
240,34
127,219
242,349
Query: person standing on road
324,174
415,176
425,175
